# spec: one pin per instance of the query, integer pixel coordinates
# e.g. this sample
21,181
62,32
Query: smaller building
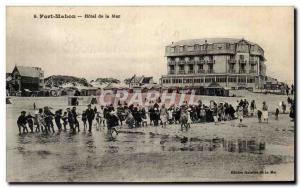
26,79
139,81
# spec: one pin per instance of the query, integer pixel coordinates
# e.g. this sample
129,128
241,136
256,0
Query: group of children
136,116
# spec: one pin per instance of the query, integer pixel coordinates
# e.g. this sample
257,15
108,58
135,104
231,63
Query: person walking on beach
265,113
57,118
283,107
48,119
21,122
276,114
252,107
112,122
29,118
101,116
41,125
90,115
259,114
240,113
65,120
84,119
163,116
71,120
76,123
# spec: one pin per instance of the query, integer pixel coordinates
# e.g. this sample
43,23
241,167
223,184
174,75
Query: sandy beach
206,152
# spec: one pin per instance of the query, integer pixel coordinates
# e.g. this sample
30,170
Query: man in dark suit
90,115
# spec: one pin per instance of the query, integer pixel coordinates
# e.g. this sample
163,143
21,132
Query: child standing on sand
276,114
65,120
240,113
84,119
259,114
29,118
265,112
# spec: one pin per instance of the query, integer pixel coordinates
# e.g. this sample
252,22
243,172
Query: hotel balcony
201,71
181,72
252,71
181,62
191,72
171,62
201,62
172,72
232,61
242,61
210,71
253,62
242,71
231,71
210,61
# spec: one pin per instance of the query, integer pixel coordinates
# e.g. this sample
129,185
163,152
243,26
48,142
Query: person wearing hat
21,122
70,120
76,123
90,115
48,119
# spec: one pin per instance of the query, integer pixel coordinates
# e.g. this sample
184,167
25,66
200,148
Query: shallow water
204,153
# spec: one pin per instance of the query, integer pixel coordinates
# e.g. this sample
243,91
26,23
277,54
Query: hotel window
209,79
200,67
242,80
221,79
181,49
250,80
190,48
181,67
241,57
231,66
227,46
196,47
232,79
202,47
172,49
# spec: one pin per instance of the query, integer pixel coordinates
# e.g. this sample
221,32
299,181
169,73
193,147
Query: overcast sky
134,43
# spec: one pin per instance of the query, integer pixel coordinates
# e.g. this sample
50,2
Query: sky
135,42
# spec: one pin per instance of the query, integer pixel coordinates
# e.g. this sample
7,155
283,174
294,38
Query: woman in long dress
163,115
265,112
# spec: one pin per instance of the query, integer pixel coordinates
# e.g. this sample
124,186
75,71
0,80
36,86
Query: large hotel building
233,63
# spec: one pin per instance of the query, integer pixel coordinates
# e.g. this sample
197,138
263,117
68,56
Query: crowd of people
134,116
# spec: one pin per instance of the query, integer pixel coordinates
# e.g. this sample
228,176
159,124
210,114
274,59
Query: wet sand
206,152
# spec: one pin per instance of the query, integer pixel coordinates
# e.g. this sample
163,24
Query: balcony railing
231,70
210,61
252,71
201,61
191,72
201,71
210,71
181,62
253,62
172,72
241,71
181,72
171,62
232,61
242,61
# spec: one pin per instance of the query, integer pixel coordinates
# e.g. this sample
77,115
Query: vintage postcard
150,94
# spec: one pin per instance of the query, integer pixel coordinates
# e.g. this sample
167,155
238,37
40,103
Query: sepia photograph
150,94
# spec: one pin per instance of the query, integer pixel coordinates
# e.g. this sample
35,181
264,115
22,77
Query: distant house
139,81
25,78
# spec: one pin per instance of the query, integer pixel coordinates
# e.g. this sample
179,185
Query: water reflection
239,145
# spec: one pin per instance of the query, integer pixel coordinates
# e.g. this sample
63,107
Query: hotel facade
232,63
